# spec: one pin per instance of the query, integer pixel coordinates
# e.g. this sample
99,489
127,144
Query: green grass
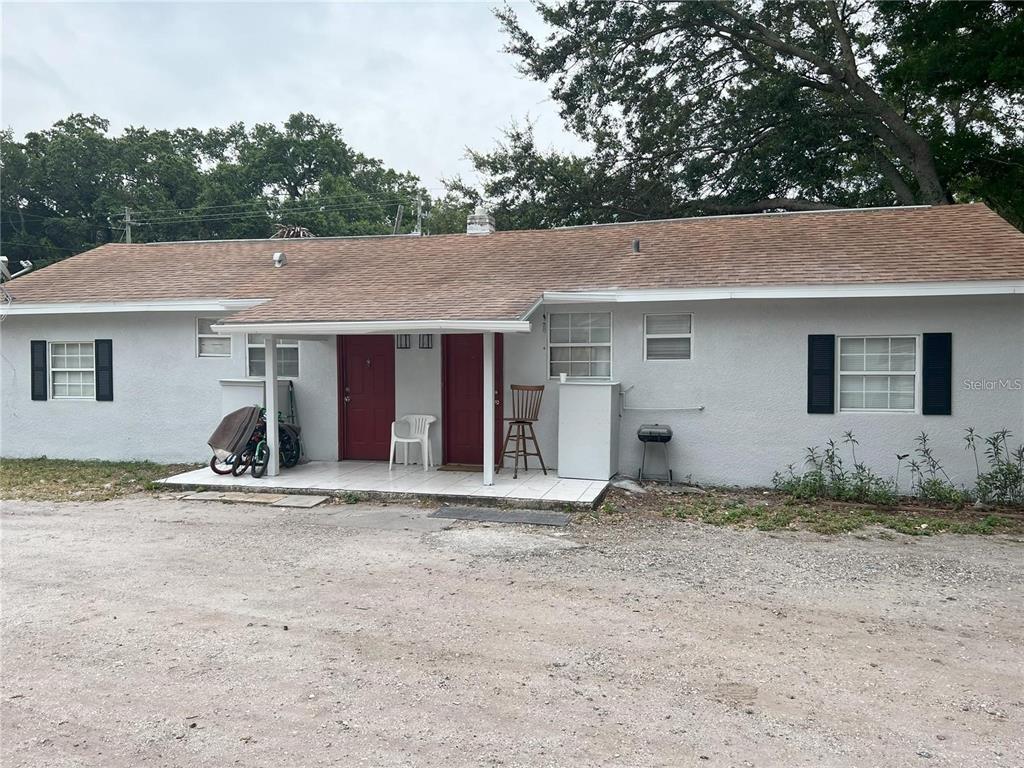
45,479
829,520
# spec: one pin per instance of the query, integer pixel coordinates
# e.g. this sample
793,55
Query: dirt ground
156,632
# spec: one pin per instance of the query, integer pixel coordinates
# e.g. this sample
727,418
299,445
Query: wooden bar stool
525,411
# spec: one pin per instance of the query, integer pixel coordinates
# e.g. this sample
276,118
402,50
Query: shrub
1003,481
826,476
929,479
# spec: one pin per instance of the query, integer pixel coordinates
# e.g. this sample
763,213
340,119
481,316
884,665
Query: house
753,337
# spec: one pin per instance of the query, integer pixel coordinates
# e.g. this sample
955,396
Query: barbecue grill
657,434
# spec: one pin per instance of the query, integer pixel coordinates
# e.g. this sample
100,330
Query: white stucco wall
418,389
167,400
749,370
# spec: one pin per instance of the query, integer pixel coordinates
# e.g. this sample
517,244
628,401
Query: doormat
492,515
461,468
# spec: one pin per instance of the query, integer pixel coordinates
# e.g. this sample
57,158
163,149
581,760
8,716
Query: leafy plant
1003,481
930,480
826,476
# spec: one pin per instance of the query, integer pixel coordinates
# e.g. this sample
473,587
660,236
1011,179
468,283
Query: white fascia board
853,290
533,308
291,329
156,305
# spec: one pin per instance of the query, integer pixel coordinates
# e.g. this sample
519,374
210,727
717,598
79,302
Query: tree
530,188
66,188
749,105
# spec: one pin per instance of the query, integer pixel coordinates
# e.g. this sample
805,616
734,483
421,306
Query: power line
86,217
82,217
16,246
268,213
354,195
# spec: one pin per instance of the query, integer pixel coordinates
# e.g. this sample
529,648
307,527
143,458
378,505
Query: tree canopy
707,107
65,189
691,108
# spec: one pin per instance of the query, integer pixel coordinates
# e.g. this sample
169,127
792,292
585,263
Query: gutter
298,328
835,291
155,305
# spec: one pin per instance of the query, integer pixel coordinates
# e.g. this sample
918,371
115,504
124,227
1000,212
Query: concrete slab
299,501
531,488
252,498
494,515
235,496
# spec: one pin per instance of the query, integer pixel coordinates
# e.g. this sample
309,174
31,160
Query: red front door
462,377
367,396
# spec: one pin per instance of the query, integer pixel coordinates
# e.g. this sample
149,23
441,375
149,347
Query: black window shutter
104,370
39,370
937,374
821,373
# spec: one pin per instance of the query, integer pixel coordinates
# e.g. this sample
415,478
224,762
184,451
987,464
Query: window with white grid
877,373
287,356
72,370
580,344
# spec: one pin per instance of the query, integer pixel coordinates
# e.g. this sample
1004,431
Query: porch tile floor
374,477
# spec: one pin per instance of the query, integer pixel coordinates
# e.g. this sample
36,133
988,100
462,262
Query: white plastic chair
419,432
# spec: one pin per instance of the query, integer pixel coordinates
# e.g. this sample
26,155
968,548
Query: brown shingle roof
500,276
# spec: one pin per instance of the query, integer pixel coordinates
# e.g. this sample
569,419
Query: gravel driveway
155,632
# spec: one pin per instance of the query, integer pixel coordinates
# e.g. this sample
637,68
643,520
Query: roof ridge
675,219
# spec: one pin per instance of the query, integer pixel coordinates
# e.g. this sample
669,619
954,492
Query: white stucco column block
488,409
270,398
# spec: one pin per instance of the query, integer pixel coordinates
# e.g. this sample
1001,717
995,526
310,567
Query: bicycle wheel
260,459
222,467
243,459
290,448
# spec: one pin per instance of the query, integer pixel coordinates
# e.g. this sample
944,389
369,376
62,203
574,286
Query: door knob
347,399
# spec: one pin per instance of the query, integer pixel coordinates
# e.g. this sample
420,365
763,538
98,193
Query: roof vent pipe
636,245
480,222
279,259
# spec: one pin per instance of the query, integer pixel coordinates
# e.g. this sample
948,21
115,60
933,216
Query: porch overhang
294,329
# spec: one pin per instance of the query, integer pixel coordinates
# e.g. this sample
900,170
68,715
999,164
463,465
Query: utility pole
398,220
127,224
419,215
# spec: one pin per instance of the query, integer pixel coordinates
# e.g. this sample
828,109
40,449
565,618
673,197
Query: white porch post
488,409
270,398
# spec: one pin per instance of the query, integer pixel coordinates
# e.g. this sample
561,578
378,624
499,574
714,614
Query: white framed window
668,337
287,356
208,342
580,344
72,370
878,373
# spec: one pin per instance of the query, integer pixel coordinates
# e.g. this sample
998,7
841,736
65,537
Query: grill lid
654,433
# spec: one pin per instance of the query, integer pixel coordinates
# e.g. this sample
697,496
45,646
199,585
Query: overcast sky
412,84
